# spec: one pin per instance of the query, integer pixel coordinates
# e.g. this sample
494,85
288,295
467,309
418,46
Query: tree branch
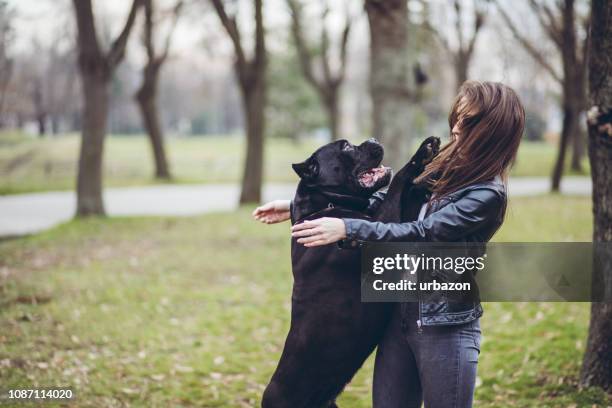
458,24
569,49
585,50
325,47
117,51
427,25
344,48
176,12
531,50
478,22
260,38
230,25
148,30
552,21
549,24
86,26
304,54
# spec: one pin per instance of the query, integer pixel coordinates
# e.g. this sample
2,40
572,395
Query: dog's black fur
332,332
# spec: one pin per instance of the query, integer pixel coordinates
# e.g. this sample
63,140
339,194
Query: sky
199,28
200,38
41,18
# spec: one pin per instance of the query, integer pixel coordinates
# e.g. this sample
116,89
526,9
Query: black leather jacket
471,214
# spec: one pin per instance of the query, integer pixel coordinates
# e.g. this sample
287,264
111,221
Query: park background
160,290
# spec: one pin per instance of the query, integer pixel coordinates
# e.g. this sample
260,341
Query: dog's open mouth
370,177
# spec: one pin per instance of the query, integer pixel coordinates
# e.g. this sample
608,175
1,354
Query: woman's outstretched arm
450,223
273,212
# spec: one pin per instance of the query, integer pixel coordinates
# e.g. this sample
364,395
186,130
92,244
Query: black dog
332,332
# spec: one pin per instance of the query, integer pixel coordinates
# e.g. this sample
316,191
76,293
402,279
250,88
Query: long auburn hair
491,122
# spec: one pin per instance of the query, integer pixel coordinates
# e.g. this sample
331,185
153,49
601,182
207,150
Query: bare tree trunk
578,147
252,79
147,102
597,363
333,114
573,92
571,112
461,71
5,78
95,110
578,150
389,82
6,65
252,178
568,129
41,120
96,68
578,102
150,116
147,94
39,109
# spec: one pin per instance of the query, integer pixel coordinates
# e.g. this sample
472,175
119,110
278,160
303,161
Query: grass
158,312
29,164
50,164
538,159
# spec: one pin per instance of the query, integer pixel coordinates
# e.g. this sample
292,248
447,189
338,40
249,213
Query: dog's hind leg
273,397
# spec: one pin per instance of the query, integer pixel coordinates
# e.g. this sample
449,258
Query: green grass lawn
30,164
538,159
50,164
159,312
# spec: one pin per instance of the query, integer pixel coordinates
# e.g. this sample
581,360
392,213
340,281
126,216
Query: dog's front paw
427,151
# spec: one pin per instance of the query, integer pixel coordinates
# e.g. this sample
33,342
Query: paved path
29,213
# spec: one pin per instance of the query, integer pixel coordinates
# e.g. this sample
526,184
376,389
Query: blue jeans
435,364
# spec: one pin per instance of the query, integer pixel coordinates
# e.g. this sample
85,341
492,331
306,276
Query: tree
61,88
251,73
597,363
390,78
6,62
461,55
96,68
42,87
39,91
560,26
147,94
40,111
327,87
293,107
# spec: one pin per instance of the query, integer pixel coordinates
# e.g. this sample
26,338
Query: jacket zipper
419,322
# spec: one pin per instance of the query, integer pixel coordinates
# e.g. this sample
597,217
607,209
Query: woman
430,351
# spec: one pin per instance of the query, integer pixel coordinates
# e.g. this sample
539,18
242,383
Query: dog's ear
307,170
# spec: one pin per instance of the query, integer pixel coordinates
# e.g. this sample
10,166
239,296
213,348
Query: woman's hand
273,212
321,231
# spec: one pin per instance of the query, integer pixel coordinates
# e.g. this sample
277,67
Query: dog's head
342,168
